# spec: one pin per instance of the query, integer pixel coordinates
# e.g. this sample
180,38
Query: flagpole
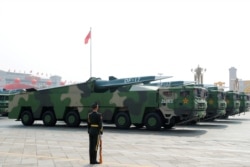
90,53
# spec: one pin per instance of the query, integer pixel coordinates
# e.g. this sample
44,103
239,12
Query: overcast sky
129,38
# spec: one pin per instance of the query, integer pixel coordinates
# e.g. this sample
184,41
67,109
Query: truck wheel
49,118
153,121
27,118
72,119
122,120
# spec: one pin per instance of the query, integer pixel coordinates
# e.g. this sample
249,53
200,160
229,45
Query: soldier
95,129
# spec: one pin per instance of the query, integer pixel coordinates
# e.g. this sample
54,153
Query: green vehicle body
244,102
4,101
216,103
122,102
233,103
188,102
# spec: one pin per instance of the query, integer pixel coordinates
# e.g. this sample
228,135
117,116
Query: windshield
199,92
221,96
247,97
236,97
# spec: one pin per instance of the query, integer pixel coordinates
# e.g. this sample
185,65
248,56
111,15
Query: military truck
233,103
244,102
216,103
186,102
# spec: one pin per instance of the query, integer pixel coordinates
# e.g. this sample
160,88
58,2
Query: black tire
27,118
153,121
49,118
122,120
72,119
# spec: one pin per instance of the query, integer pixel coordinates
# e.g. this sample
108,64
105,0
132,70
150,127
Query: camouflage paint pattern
72,103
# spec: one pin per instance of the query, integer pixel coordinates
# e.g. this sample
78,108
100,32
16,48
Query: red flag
87,37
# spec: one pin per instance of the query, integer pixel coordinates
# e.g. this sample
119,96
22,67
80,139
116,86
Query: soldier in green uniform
95,129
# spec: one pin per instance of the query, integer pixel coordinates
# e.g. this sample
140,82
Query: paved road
222,143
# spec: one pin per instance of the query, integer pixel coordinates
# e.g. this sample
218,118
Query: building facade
13,80
237,84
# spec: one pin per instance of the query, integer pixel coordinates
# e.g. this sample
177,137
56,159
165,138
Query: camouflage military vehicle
186,103
233,103
216,103
244,102
123,102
